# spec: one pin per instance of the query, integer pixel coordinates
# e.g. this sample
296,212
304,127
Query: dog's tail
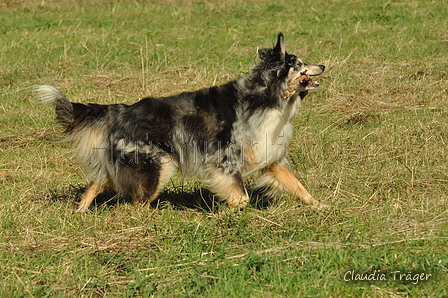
65,110
83,124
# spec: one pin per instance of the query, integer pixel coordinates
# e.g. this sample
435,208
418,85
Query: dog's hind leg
143,176
279,176
94,189
152,183
229,187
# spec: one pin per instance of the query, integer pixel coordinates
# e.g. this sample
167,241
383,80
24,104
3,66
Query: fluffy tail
84,125
64,109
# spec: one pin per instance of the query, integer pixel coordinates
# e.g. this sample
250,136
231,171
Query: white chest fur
266,137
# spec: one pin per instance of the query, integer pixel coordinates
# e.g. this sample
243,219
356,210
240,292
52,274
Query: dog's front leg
279,176
229,187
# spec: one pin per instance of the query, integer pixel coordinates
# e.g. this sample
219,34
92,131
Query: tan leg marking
92,191
286,180
228,187
235,197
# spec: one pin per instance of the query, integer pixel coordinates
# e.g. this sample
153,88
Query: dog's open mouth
306,81
298,82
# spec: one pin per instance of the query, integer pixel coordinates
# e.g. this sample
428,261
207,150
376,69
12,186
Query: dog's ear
278,51
280,48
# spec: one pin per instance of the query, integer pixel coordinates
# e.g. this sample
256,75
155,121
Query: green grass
371,143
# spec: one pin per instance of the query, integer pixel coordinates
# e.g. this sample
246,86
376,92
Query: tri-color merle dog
218,134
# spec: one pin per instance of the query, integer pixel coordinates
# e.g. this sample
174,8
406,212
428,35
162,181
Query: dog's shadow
199,199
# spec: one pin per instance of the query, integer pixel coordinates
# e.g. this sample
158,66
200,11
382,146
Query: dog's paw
81,209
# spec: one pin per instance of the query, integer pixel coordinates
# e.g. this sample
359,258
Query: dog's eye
291,60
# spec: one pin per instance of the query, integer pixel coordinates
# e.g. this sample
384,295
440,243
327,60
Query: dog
218,134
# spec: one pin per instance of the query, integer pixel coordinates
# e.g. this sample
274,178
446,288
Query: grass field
371,142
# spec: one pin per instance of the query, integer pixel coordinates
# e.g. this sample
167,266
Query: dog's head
280,67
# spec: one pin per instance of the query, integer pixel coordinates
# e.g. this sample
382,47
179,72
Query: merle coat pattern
218,134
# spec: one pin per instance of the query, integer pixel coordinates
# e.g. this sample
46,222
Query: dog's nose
322,67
